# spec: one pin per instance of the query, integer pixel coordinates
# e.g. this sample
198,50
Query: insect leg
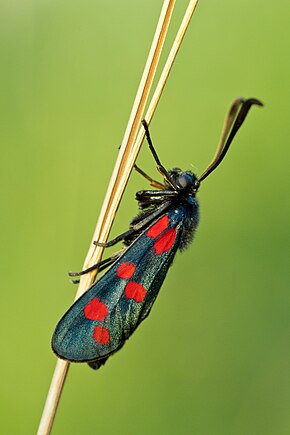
142,194
122,236
141,222
153,183
101,265
138,225
160,167
115,240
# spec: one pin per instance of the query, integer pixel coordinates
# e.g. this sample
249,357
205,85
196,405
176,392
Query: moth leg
153,182
160,167
142,194
115,240
143,222
136,227
101,265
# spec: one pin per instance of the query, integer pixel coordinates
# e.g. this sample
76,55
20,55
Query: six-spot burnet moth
100,321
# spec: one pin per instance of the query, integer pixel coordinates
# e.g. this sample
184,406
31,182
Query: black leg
160,167
101,265
140,224
143,221
163,194
117,239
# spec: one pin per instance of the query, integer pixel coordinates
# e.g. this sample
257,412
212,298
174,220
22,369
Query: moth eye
184,181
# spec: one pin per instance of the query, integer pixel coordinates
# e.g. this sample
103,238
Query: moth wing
100,321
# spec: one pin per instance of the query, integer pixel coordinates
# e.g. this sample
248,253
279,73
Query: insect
100,321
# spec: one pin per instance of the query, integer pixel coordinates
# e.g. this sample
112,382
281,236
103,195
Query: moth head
186,180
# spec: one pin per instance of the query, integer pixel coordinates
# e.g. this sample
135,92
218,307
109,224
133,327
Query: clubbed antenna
235,118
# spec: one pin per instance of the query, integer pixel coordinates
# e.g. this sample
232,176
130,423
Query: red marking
165,242
157,228
136,291
95,310
101,335
126,270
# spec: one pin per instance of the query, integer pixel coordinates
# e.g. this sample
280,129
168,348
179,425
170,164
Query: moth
100,321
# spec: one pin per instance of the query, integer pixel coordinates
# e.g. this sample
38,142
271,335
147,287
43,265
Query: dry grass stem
164,75
116,187
123,167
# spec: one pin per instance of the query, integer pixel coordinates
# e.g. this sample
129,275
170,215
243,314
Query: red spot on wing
95,310
157,228
126,270
136,291
165,242
101,335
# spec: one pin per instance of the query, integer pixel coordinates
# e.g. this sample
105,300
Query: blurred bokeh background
214,355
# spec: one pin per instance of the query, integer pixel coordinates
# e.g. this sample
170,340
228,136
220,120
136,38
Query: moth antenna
234,119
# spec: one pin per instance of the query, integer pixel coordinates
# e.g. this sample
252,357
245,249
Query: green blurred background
213,357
